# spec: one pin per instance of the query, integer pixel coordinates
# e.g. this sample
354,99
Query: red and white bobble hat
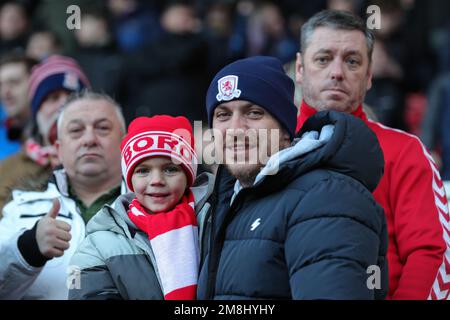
158,136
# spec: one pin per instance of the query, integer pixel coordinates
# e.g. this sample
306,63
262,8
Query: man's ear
369,77
285,138
298,69
57,146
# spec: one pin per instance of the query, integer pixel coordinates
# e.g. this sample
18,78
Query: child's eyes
141,171
171,169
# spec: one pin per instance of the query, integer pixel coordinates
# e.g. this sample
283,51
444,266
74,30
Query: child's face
158,184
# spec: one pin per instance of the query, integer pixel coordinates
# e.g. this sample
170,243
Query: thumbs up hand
53,236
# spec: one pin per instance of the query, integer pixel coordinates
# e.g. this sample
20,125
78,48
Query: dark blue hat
55,73
51,84
260,80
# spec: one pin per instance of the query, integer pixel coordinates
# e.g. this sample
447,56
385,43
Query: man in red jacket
334,71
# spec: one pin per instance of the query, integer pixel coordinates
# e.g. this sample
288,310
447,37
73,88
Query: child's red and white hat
158,136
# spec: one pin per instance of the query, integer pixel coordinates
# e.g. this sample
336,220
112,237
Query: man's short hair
338,20
15,57
91,95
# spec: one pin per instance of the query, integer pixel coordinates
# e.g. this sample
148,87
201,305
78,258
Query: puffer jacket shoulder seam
354,184
101,248
298,184
256,239
337,216
331,258
336,176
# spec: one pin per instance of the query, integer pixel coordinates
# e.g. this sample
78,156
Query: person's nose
336,70
236,128
237,121
90,138
157,178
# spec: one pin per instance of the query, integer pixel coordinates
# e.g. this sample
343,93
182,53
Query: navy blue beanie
260,80
51,84
55,73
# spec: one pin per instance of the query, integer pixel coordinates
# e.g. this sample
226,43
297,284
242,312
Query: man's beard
246,174
245,166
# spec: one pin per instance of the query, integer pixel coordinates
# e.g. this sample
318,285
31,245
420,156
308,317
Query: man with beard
38,234
303,224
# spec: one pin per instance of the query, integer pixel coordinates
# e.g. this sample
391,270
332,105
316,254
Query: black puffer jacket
310,231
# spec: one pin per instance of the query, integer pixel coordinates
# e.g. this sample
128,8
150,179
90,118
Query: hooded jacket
308,230
116,260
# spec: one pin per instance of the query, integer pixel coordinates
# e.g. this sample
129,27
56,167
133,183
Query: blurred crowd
158,57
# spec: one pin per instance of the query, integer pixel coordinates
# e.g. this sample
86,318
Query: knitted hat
54,73
161,135
260,80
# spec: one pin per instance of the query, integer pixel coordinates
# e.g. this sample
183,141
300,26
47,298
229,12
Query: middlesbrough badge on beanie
71,81
228,89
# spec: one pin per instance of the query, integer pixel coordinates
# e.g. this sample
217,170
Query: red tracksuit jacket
414,201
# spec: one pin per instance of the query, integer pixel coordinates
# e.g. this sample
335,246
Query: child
145,245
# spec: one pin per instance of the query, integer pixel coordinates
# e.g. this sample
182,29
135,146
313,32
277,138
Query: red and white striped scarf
37,153
174,239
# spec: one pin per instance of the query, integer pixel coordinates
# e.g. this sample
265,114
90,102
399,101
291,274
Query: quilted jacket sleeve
16,274
90,277
343,235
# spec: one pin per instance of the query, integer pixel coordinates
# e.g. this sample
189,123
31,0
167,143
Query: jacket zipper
214,257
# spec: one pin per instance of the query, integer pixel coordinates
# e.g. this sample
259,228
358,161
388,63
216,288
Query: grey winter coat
116,261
